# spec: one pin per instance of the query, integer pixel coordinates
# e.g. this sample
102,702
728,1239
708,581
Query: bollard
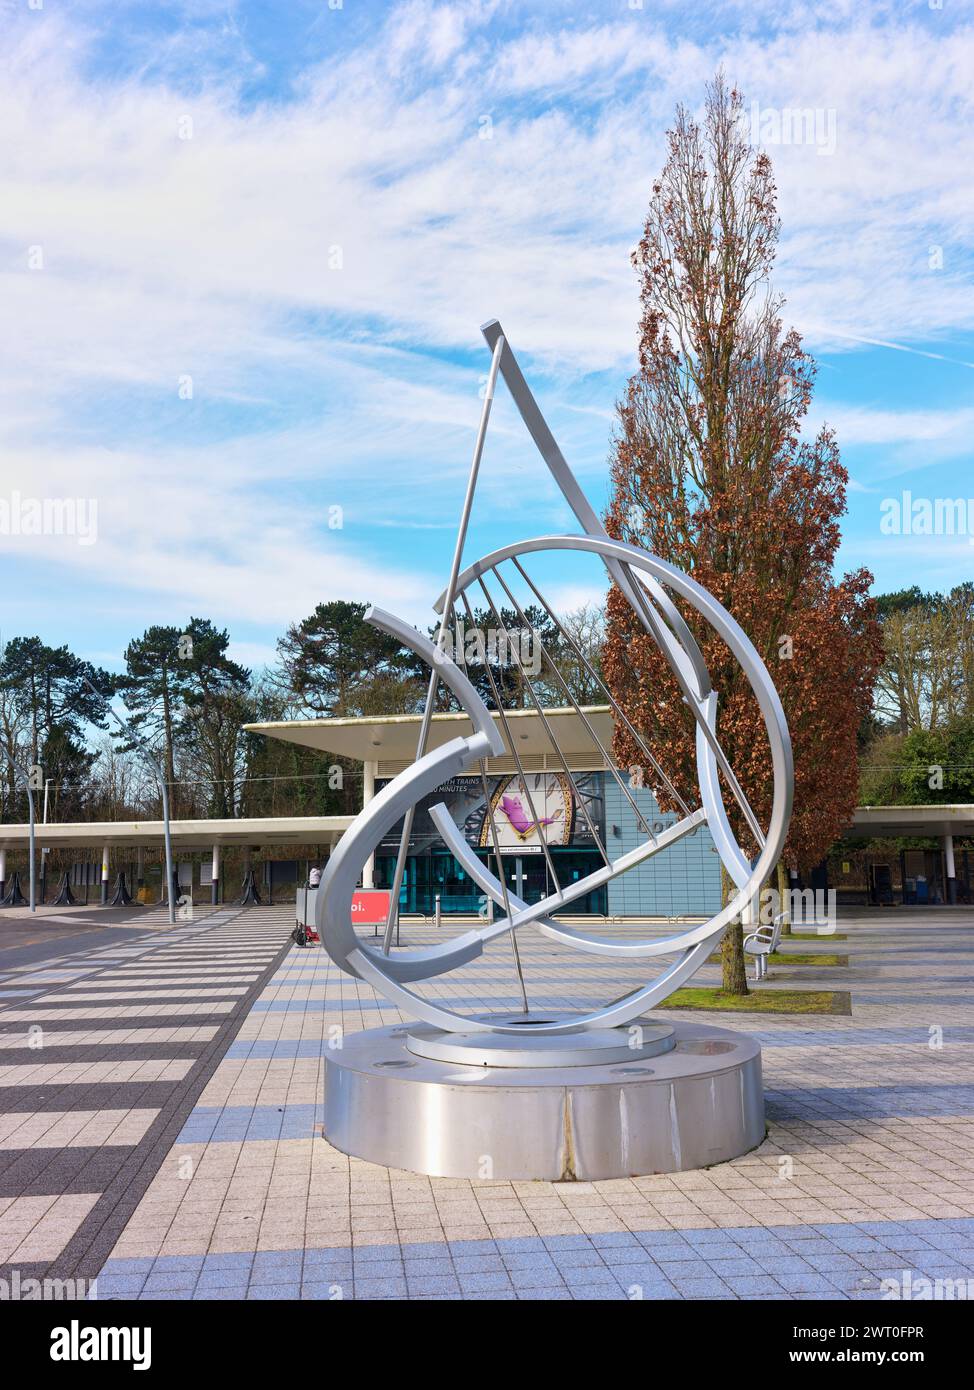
439,914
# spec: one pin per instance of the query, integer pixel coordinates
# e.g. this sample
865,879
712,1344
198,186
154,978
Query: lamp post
160,773
45,849
30,802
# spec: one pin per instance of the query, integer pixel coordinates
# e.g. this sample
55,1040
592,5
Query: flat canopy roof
888,822
882,822
186,834
392,738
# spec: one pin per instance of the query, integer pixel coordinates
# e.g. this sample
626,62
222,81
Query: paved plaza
163,1130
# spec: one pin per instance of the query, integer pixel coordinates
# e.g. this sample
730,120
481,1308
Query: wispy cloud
240,288
948,429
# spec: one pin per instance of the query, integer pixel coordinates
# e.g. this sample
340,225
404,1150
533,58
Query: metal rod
609,761
489,812
512,744
620,573
168,841
407,825
26,776
644,605
33,856
500,874
550,732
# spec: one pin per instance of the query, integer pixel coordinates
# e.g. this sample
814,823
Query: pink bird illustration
515,813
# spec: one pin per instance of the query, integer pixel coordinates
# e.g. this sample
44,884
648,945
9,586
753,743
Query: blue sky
293,210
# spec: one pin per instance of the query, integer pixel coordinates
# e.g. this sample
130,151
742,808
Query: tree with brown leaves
710,473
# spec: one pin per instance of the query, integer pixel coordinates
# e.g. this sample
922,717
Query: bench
761,943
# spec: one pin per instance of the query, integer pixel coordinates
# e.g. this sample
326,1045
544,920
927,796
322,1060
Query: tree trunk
732,961
784,898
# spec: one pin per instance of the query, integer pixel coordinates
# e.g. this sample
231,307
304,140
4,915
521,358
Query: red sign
370,907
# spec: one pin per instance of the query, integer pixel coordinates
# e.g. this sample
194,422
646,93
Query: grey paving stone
433,1285
331,1269
535,1279
589,1274
433,1249
782,1264
810,1246
639,1273
484,1283
675,1257
702,1288
739,1265
805,1283
885,1260
835,1263
637,1256
372,1254
223,1279
577,1259
855,1242
276,1274
473,1247
517,1245
120,1286
478,1264
614,1240
428,1267
754,1285
380,1288
529,1259
556,1243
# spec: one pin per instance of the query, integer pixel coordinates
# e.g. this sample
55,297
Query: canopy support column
950,868
369,769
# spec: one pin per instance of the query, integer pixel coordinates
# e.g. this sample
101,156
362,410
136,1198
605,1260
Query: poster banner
541,804
370,907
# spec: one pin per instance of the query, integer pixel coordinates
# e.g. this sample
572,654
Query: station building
683,880
211,858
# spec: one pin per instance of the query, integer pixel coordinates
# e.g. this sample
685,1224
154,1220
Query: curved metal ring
390,974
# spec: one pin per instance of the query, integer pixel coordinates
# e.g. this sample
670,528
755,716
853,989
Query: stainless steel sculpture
528,1042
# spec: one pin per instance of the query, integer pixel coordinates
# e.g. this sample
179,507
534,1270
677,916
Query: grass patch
805,958
763,1001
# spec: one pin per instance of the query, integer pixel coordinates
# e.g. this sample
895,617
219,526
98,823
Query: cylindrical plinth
593,1047
698,1104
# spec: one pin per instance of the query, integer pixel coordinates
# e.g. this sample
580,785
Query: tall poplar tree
710,472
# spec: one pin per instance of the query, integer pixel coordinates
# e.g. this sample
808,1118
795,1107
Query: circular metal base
593,1047
699,1103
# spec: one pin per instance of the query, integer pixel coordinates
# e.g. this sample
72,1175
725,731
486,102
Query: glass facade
567,813
683,879
436,871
